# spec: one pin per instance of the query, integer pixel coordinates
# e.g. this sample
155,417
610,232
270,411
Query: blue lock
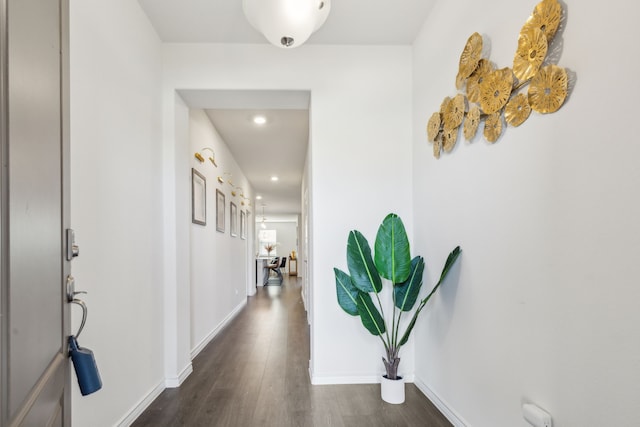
85,366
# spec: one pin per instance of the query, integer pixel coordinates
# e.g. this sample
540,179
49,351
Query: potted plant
269,247
392,262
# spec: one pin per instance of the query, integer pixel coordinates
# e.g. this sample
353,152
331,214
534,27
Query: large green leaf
412,323
451,259
347,292
371,318
361,266
407,292
393,257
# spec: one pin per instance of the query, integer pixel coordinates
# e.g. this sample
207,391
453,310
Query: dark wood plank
255,373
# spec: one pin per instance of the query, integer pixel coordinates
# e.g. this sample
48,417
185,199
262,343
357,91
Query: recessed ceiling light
259,120
258,197
274,178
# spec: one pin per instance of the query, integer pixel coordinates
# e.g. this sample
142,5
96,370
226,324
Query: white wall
360,150
218,272
543,304
286,234
116,202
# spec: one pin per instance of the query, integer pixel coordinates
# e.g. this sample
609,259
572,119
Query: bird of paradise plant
392,261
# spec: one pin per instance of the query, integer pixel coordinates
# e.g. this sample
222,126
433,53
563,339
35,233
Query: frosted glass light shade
286,23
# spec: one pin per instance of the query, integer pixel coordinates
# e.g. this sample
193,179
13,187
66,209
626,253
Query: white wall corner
453,417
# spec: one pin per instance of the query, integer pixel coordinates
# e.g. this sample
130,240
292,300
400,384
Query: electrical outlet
536,416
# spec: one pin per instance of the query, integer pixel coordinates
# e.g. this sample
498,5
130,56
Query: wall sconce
286,23
221,179
234,193
212,158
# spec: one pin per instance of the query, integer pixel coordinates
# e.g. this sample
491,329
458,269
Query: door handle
71,298
71,289
85,313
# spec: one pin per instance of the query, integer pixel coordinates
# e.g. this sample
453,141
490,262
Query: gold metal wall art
449,139
500,97
469,58
548,89
493,127
477,77
472,123
532,49
495,90
546,16
517,110
454,112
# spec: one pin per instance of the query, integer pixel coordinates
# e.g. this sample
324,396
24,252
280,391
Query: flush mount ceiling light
286,23
259,120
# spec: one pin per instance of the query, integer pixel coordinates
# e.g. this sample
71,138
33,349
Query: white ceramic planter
392,391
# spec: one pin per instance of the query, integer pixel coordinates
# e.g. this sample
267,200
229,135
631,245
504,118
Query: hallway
255,373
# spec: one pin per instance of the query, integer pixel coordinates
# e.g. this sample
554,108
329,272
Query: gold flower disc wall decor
532,49
433,126
449,139
548,89
460,81
517,110
454,112
546,16
444,104
471,124
495,90
470,56
437,147
497,96
476,78
493,127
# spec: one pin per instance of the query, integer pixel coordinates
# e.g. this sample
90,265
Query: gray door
35,373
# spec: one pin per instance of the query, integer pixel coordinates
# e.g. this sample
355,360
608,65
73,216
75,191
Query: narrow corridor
255,373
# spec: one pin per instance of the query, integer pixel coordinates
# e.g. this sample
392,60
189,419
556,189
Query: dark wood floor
255,373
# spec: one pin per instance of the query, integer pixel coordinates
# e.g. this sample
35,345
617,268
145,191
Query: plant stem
386,329
391,363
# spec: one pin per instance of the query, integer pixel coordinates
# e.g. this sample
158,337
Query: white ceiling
349,22
280,146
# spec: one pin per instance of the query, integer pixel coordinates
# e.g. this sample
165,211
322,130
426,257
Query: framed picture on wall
220,211
198,198
233,212
243,225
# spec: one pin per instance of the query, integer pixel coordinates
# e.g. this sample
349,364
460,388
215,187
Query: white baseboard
143,404
177,381
361,379
202,344
453,417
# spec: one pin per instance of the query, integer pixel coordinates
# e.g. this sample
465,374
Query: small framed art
220,208
233,213
198,198
243,225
